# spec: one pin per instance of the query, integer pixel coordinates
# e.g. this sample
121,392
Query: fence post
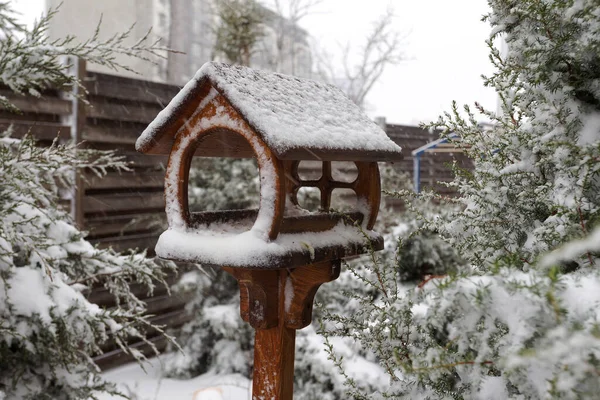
417,172
76,121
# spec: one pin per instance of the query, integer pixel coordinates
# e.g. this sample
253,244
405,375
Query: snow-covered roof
436,143
297,118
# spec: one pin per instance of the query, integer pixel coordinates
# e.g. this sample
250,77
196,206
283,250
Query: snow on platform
249,250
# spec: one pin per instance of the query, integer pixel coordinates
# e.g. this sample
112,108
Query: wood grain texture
366,186
291,224
121,203
189,139
128,89
41,131
39,105
276,303
260,296
273,376
101,109
305,281
137,179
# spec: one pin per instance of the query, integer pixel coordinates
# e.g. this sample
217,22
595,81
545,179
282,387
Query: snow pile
150,383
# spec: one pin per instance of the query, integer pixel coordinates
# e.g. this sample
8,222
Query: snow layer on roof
292,112
184,95
288,111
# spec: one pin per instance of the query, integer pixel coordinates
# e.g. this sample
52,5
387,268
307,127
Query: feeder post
276,303
274,350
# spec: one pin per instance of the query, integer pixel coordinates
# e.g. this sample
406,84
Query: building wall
80,19
190,34
193,35
295,56
185,26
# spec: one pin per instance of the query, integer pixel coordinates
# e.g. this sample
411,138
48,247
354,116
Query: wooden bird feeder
279,254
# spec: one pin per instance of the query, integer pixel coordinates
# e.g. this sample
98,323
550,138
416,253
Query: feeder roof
297,118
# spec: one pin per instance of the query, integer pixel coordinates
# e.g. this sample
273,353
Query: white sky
444,47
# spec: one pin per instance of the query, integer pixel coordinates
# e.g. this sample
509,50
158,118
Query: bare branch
288,14
381,48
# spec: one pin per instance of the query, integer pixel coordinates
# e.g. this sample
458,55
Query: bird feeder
280,254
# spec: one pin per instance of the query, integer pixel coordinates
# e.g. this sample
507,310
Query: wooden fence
121,209
125,210
435,167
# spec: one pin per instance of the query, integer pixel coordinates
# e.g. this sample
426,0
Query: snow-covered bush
48,330
216,339
353,310
520,320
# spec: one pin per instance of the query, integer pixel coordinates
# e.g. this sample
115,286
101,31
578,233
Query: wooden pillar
274,350
273,376
276,303
77,121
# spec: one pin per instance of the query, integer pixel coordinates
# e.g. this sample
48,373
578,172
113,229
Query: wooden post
77,121
273,376
274,350
276,303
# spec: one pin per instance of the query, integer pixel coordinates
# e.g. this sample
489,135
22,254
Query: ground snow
150,385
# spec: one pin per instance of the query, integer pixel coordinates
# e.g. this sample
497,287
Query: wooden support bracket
277,303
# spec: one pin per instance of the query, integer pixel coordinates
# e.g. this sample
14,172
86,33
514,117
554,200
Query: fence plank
160,304
46,131
145,160
117,357
124,243
170,319
122,112
102,296
112,134
125,225
129,89
40,105
119,203
132,180
131,92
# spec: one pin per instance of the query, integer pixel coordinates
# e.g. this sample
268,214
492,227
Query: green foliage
239,29
223,184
